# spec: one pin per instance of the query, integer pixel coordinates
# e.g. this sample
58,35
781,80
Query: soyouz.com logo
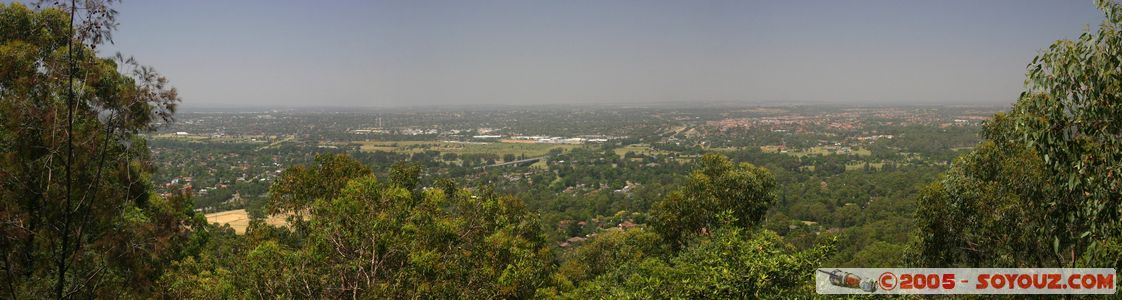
965,281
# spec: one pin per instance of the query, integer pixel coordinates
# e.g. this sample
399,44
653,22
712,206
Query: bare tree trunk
64,253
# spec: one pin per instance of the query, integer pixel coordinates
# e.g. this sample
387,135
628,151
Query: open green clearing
819,150
857,166
639,149
202,138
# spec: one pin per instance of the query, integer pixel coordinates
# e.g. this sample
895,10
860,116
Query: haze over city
408,53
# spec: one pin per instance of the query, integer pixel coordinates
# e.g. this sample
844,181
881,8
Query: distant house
627,225
575,240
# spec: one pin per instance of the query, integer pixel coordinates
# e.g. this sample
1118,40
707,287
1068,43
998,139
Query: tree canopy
78,214
717,186
381,240
1045,187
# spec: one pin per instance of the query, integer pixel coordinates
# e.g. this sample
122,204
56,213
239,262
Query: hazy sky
416,52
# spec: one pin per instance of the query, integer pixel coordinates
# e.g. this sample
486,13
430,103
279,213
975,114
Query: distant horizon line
665,104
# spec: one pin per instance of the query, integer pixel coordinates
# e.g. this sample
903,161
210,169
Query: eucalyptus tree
77,212
1045,187
717,186
369,238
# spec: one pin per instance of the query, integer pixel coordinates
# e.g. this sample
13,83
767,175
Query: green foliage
297,187
1042,190
607,252
731,263
191,279
1045,189
717,186
109,235
719,255
376,240
1069,114
991,209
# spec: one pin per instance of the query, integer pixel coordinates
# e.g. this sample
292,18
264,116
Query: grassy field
540,165
202,138
770,149
722,149
819,150
239,219
639,149
278,142
500,149
857,166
